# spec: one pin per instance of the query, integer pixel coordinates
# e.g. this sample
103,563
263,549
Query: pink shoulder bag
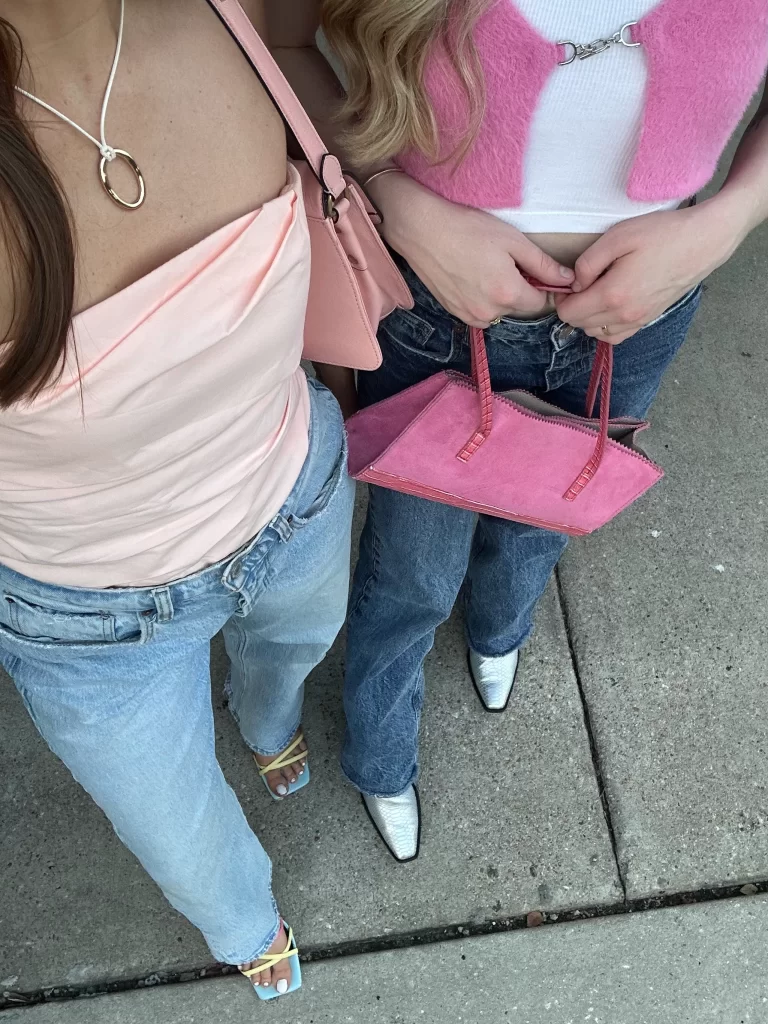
451,439
354,283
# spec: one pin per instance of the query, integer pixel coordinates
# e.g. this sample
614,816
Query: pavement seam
430,936
593,748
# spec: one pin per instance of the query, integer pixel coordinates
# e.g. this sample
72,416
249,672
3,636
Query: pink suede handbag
451,439
354,283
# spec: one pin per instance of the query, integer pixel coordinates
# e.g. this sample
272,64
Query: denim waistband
325,416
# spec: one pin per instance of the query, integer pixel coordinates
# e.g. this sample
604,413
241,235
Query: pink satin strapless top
186,425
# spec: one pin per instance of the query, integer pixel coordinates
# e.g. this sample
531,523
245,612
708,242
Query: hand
640,267
467,258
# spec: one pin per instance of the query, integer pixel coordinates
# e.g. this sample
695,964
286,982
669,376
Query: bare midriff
565,248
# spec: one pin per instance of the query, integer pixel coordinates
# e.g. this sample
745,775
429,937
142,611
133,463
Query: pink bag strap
601,378
326,166
481,375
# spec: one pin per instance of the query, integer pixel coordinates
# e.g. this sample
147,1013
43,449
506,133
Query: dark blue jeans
416,554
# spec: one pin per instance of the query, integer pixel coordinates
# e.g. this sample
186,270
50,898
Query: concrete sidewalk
79,911
657,632
697,965
668,614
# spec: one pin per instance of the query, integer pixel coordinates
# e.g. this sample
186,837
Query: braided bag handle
601,379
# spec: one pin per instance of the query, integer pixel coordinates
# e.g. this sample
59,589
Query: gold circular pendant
122,155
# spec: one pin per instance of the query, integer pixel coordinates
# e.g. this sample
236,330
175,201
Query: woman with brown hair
505,140
166,469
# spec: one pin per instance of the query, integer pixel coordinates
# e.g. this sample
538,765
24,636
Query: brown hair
383,46
39,246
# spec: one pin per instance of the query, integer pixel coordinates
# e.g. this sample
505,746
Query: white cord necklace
108,153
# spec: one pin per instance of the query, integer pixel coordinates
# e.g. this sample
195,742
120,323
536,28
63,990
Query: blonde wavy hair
383,46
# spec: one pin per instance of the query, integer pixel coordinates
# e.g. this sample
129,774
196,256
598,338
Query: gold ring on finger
605,330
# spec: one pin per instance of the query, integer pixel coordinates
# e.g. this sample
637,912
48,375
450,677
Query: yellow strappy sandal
282,761
272,960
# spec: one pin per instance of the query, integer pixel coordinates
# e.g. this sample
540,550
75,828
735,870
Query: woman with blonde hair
505,140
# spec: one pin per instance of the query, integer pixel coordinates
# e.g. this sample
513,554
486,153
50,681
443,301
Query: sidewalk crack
593,748
10,1000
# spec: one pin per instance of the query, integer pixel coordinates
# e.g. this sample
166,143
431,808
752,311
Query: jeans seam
28,705
255,585
375,560
264,946
13,614
236,717
467,597
417,697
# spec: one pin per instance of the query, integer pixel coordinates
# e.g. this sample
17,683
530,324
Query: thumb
538,265
596,260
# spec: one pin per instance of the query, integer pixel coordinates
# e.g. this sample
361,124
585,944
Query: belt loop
163,604
13,613
283,527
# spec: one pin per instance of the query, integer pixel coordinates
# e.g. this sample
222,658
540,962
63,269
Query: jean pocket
411,334
324,497
34,624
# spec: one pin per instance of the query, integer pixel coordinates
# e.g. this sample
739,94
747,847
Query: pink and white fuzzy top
704,60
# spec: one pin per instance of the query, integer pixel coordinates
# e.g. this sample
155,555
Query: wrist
400,200
374,175
730,216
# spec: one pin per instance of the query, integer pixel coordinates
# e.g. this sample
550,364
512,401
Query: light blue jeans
118,684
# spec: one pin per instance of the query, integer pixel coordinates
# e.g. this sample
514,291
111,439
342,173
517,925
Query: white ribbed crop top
587,124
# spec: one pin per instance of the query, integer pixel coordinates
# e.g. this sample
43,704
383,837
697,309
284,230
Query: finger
528,299
596,260
610,328
595,326
538,264
616,334
521,300
601,302
615,322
